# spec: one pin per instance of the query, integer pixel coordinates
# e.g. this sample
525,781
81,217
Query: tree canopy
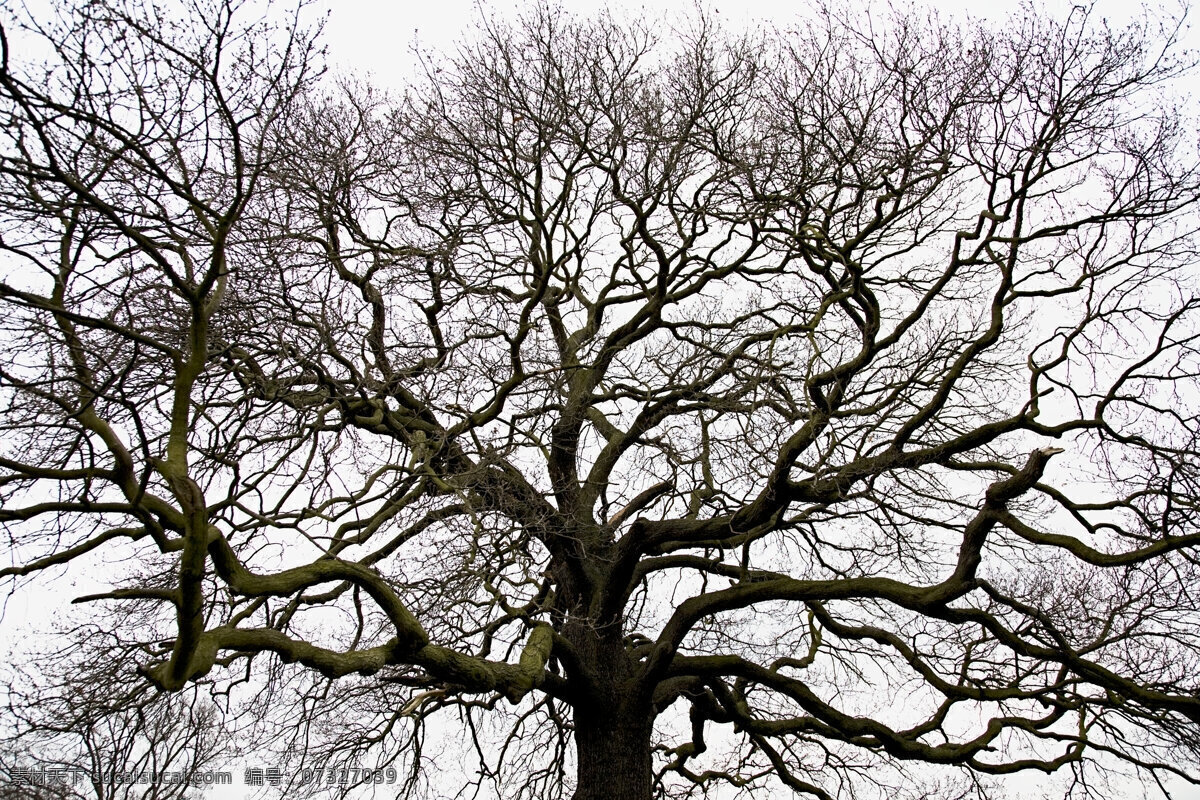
669,411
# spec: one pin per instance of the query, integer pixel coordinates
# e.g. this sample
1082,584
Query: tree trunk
612,743
612,715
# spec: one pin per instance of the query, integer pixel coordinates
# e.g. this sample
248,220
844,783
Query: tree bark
613,748
613,717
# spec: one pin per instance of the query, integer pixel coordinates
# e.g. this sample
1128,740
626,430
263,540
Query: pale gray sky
367,36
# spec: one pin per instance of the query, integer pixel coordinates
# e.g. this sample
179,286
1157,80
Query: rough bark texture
612,716
613,747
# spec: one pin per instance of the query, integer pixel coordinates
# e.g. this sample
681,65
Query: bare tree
80,729
670,412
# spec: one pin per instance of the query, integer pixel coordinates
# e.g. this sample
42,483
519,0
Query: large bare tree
669,409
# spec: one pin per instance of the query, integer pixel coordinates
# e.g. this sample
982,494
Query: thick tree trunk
612,716
613,747
611,710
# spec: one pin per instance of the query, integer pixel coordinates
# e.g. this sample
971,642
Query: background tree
683,412
76,727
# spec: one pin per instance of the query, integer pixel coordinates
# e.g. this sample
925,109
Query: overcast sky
365,36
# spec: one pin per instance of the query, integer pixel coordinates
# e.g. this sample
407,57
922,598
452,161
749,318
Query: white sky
367,36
